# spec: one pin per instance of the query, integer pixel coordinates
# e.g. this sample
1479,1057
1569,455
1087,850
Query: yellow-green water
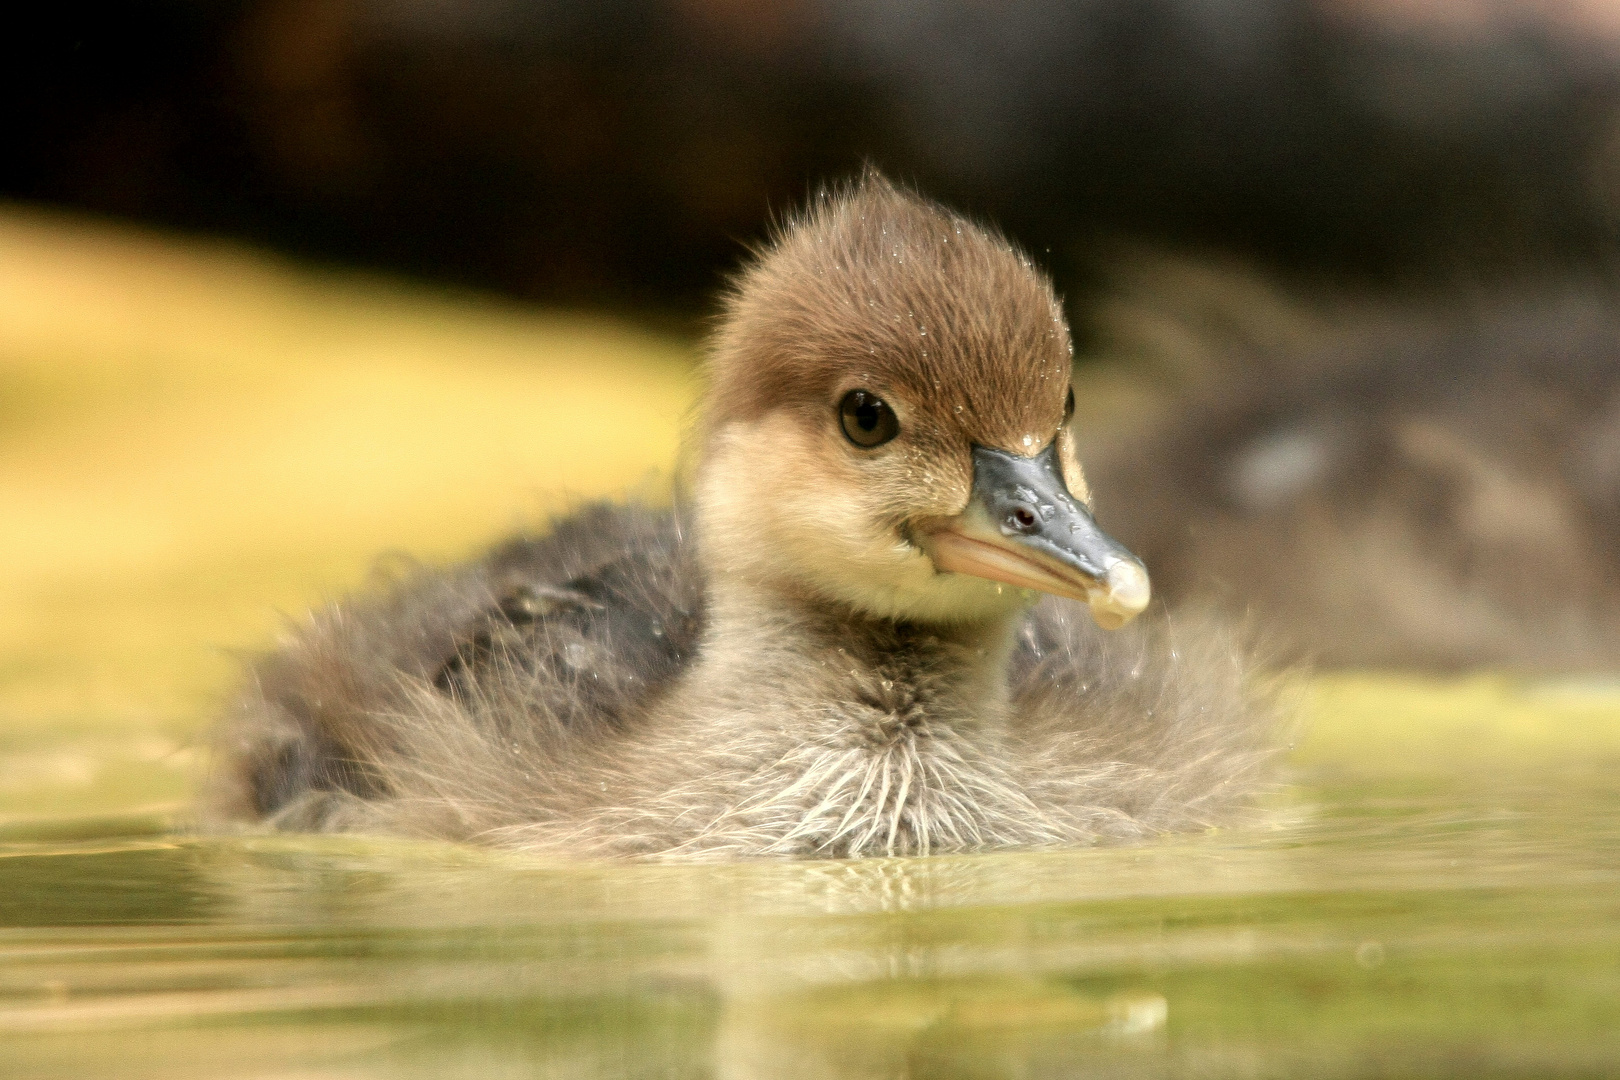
190,439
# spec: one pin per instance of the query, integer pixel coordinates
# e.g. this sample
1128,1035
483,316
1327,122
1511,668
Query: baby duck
831,647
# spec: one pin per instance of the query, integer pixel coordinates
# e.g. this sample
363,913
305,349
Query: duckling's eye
1068,406
867,418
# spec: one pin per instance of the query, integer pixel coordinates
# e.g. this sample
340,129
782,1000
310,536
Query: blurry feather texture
1432,482
778,667
514,702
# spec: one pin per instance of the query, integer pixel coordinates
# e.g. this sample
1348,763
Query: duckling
834,645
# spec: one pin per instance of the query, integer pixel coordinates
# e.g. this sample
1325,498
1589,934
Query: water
1434,894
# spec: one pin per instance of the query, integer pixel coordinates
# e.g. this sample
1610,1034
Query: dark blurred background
619,153
1357,251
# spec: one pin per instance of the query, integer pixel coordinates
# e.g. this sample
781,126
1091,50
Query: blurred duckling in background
833,646
1431,484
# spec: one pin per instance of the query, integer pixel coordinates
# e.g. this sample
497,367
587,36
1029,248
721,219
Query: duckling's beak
1023,528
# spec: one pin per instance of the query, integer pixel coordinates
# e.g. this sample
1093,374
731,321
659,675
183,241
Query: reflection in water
1462,925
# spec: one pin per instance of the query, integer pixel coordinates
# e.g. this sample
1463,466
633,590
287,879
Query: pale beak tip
1126,594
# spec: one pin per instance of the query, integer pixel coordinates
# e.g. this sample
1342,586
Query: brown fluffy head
876,289
876,284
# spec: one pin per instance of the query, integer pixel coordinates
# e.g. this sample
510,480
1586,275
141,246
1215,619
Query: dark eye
1068,406
867,418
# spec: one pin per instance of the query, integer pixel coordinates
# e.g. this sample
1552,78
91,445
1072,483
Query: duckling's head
887,423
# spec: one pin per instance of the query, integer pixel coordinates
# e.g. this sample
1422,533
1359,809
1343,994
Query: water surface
1435,894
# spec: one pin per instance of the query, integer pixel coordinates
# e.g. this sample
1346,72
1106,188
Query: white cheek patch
798,514
790,512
